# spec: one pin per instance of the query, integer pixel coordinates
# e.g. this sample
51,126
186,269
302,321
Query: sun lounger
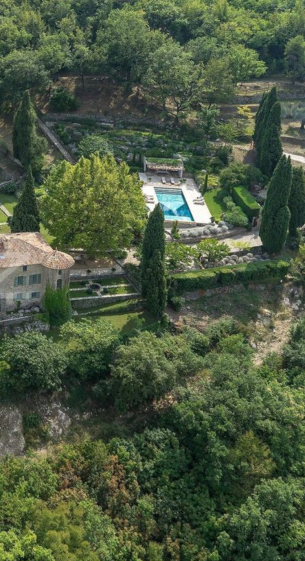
199,202
173,181
163,180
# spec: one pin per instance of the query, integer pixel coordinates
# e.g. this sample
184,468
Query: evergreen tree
271,146
262,118
154,240
276,214
25,215
297,201
28,146
259,117
156,285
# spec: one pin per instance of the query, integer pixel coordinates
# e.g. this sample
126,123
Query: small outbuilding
164,165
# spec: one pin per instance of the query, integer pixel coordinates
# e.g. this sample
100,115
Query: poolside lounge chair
199,202
173,181
163,180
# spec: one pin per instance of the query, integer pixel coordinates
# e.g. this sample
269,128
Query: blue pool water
174,205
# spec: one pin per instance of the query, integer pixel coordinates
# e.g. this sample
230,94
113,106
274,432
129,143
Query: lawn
80,294
110,282
9,201
128,289
215,203
3,217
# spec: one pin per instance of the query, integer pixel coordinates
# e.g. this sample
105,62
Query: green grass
122,290
78,284
214,202
110,282
114,307
80,294
9,201
3,217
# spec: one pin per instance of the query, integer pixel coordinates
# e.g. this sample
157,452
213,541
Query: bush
236,217
33,363
176,302
246,202
63,100
224,276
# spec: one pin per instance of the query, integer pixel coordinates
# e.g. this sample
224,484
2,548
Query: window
24,268
59,272
19,281
59,283
35,279
20,296
35,294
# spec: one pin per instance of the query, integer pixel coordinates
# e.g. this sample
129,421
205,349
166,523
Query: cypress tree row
28,146
154,240
156,292
271,145
297,201
276,214
25,215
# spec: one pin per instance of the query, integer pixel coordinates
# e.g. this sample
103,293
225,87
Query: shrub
246,202
195,280
226,276
236,217
176,302
63,100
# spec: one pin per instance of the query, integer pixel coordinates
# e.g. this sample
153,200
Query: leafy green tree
244,63
54,52
262,120
156,285
34,363
295,57
172,79
213,249
18,548
57,306
218,84
297,201
276,214
94,144
208,122
154,240
28,146
89,346
126,42
271,145
148,367
25,214
20,71
96,204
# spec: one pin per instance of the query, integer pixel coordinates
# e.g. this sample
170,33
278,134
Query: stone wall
92,301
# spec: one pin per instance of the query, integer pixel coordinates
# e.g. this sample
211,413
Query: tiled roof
30,248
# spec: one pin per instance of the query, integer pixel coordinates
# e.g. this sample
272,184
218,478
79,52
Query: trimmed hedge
246,202
225,276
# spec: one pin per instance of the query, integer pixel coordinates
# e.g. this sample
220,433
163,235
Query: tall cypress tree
263,117
28,146
154,240
276,214
297,201
156,292
25,215
259,117
271,145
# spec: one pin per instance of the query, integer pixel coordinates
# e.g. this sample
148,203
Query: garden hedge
224,276
246,202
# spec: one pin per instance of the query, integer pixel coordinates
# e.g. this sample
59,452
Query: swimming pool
174,205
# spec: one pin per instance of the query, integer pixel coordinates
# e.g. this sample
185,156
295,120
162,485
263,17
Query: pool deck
200,213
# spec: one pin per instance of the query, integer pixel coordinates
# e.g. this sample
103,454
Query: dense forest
202,46
217,473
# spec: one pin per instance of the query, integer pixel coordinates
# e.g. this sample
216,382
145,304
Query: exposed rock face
11,434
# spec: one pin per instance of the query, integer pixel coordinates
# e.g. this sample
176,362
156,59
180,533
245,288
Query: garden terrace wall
223,276
246,202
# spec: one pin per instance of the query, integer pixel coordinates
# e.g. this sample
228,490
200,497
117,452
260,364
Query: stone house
28,265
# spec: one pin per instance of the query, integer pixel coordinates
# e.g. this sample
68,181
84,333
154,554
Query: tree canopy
96,205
